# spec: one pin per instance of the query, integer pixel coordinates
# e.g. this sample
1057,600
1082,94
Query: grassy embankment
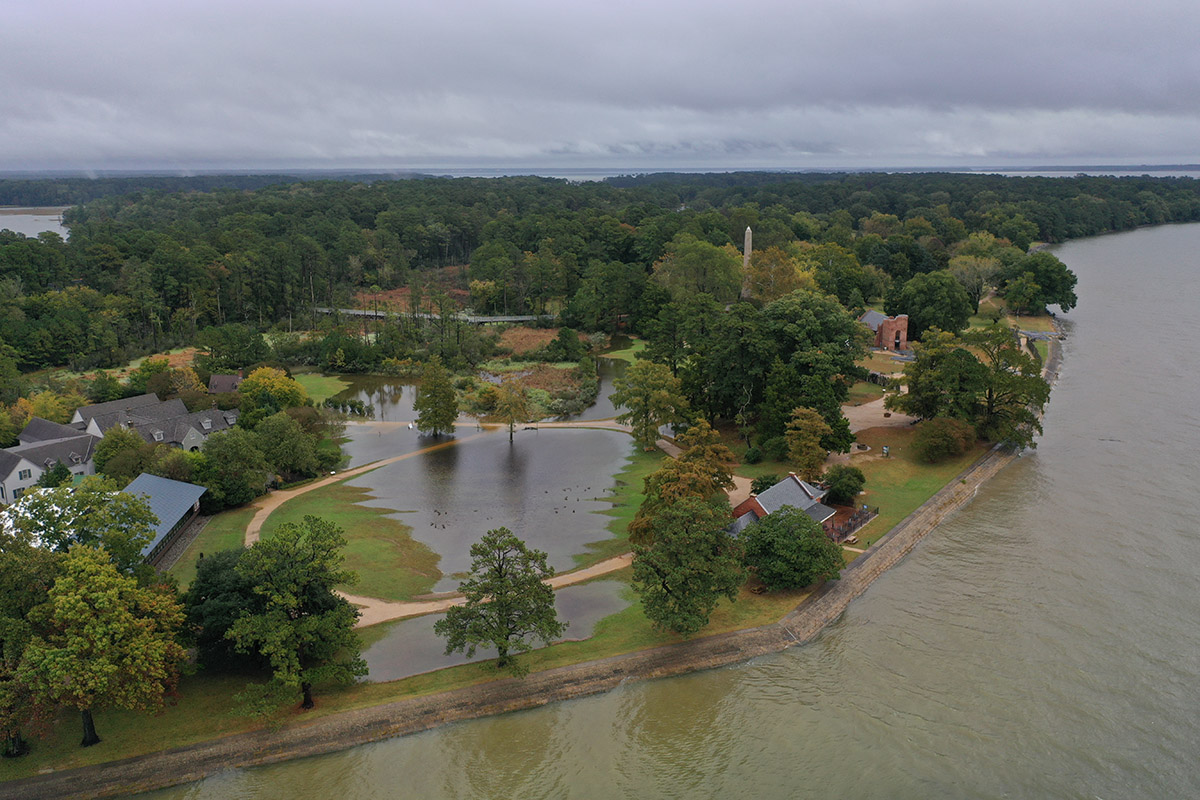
391,565
224,531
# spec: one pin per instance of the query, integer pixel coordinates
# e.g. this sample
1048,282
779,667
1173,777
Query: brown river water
1042,643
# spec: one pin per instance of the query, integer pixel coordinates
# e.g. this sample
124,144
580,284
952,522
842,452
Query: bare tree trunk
17,746
89,730
308,698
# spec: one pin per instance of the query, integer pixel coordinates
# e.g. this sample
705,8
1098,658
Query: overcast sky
180,84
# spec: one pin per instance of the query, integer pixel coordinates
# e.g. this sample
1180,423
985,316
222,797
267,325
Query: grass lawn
629,353
864,392
900,483
224,531
1043,349
1043,323
390,564
880,361
320,387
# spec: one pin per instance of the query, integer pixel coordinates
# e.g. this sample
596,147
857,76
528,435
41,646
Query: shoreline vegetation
429,706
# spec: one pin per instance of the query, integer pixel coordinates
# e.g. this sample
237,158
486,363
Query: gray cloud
784,84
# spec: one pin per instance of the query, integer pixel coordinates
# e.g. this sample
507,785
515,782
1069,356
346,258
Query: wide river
1043,643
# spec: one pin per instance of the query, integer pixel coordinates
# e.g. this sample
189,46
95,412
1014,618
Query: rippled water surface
1043,643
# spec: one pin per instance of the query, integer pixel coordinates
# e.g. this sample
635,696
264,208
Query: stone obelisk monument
747,249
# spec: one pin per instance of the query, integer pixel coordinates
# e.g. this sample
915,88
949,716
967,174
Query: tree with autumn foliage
108,643
513,405
652,397
804,434
701,472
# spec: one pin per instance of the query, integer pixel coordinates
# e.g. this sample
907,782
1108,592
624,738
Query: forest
154,261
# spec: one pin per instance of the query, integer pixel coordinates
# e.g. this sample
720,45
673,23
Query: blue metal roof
170,501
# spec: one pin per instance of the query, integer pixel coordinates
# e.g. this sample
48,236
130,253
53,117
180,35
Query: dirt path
374,611
345,729
871,415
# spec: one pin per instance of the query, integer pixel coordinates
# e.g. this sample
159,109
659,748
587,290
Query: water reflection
393,398
411,647
545,486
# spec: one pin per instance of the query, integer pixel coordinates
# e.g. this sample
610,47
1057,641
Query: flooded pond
545,487
410,647
393,398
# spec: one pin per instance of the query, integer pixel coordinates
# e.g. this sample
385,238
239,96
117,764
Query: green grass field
881,362
629,353
223,532
899,484
626,499
390,564
320,387
864,392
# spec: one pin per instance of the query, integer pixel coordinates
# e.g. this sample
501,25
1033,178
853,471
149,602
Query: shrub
845,482
775,448
943,437
764,482
789,550
753,456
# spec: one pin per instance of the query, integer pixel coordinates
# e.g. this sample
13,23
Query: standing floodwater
1043,643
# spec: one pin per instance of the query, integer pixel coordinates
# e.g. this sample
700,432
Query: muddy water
548,486
1043,643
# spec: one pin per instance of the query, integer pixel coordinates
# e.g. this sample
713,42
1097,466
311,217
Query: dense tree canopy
690,564
303,628
109,642
788,549
651,397
436,404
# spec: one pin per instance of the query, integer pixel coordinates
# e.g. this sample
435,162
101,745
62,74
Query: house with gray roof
157,421
43,430
22,465
87,413
791,491
175,503
222,384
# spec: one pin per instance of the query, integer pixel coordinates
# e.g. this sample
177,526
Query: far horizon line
564,171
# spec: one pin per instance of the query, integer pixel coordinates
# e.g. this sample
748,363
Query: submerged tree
436,404
513,406
508,602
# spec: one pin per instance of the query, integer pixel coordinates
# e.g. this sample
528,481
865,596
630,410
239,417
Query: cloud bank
629,84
